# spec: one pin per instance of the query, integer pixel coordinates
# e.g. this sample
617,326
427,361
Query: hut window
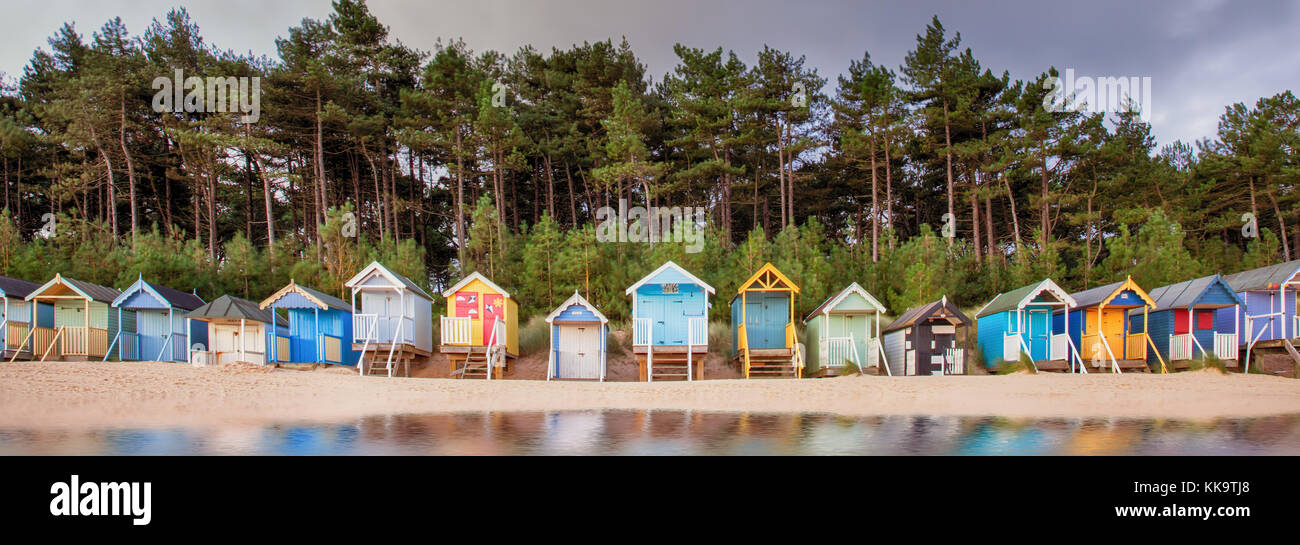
1205,319
670,288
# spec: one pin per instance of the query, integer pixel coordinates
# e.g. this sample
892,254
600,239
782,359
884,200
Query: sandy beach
97,395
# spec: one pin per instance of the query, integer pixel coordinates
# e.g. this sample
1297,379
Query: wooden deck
1053,366
675,349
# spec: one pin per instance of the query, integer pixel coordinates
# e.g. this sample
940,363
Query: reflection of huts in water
574,433
621,426
1103,437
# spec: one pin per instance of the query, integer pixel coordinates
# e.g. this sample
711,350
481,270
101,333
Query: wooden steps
671,365
1052,366
769,363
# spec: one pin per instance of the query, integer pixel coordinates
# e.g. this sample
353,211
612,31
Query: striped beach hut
923,340
670,323
1099,327
481,327
236,330
319,327
579,333
16,320
1020,322
764,343
83,324
845,328
392,320
161,325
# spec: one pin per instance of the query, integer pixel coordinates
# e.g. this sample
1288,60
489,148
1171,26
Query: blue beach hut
160,322
670,309
578,335
319,328
1020,322
1186,324
16,320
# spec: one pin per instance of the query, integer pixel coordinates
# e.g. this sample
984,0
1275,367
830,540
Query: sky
1201,55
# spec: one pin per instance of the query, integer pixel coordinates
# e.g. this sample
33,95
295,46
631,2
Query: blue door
1040,343
766,315
302,336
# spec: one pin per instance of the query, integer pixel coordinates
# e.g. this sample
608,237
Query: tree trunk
130,172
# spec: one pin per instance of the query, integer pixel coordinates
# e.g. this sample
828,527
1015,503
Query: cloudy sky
1201,54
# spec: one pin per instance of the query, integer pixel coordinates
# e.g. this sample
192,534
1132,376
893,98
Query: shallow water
683,433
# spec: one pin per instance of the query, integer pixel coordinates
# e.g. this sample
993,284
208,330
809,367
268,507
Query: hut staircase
480,364
771,362
370,362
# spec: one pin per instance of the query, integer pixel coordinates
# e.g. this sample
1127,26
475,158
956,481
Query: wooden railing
41,339
698,332
1060,347
641,331
374,328
455,330
1180,347
75,341
1137,347
1225,346
15,333
742,344
954,360
1011,347
834,351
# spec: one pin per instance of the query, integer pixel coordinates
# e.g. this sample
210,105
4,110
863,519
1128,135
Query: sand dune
82,395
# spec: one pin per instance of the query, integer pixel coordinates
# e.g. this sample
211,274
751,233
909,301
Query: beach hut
392,321
319,327
845,328
578,335
1020,322
762,326
16,320
83,325
1268,314
162,329
236,328
670,324
1185,323
923,340
481,328
1100,331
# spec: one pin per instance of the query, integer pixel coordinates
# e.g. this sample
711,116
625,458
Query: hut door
579,355
493,308
768,324
1112,326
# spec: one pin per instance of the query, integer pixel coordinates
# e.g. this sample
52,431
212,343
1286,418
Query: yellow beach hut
481,328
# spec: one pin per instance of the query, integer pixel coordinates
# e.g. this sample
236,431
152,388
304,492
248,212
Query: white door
579,355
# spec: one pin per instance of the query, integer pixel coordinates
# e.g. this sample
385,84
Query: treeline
453,160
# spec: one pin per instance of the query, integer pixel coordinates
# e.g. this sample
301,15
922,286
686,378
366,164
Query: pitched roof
1100,294
14,287
178,298
916,314
377,266
1263,278
1184,294
472,277
94,292
835,299
1022,296
576,299
669,265
229,306
174,298
778,277
323,300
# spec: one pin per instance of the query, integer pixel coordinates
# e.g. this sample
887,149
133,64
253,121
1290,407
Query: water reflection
684,433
